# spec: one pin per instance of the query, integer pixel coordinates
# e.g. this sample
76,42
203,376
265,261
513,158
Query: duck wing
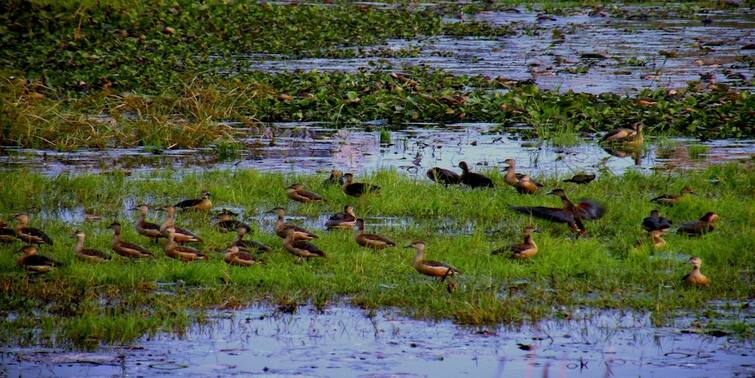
655,223
616,135
188,203
95,253
438,264
378,239
252,245
36,233
134,247
311,196
589,210
553,214
230,225
38,260
307,246
443,176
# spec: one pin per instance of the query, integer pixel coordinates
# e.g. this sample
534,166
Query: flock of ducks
298,241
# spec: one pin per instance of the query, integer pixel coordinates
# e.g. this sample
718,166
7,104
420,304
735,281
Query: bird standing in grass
150,230
473,180
224,221
199,204
695,277
521,182
581,179
33,262
282,228
673,199
342,221
87,254
523,250
179,252
357,189
181,235
443,176
123,248
297,193
371,240
700,227
301,248
28,234
655,222
234,256
247,245
7,235
428,267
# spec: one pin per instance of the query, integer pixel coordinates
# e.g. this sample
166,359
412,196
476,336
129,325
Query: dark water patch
312,148
343,341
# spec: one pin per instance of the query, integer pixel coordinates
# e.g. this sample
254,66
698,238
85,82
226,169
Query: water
347,342
632,49
313,148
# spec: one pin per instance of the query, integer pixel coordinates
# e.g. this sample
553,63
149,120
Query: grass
86,304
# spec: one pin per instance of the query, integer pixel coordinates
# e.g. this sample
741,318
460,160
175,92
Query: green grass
86,304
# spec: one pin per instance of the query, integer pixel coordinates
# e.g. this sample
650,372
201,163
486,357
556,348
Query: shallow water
311,147
632,51
346,342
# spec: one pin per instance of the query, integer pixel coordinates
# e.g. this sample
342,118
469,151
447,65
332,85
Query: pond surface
311,147
637,47
347,342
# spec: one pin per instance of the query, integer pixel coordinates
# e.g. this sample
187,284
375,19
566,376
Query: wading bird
199,204
700,227
473,180
342,221
695,277
281,227
123,248
28,234
429,267
443,176
87,254
297,193
371,240
523,250
357,189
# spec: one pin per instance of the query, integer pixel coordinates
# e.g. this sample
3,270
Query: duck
7,235
181,235
357,189
342,221
443,176
429,267
473,180
281,227
247,245
581,178
297,193
27,234
524,250
672,199
624,135
180,252
234,256
300,248
371,240
123,248
655,222
87,254
521,182
224,221
335,178
695,277
33,262
656,237
571,214
144,228
702,226
199,204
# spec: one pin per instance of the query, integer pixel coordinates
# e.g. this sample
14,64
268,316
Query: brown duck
655,222
28,234
571,214
7,235
695,277
524,250
180,252
357,189
623,135
87,254
144,228
199,204
428,267
123,248
297,193
473,180
443,176
371,240
335,178
247,245
225,222
281,227
181,235
33,262
700,227
342,221
300,248
521,182
672,199
581,178
234,256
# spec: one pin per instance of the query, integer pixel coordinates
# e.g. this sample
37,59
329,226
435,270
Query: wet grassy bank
87,304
